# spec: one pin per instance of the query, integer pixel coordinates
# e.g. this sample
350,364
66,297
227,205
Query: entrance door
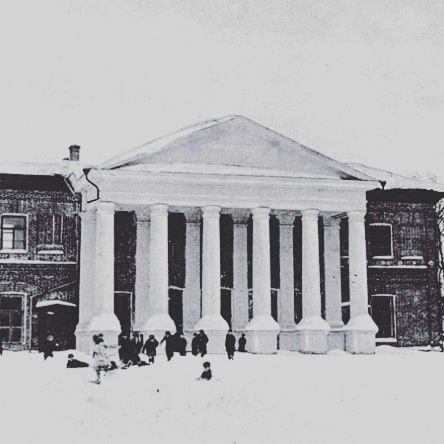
175,308
123,309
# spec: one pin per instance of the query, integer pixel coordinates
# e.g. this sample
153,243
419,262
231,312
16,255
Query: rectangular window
57,229
13,232
11,318
380,240
412,241
383,313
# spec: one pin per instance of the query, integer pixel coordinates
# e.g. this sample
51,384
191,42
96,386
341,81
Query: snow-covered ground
395,396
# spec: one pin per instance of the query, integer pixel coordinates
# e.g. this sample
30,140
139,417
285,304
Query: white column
191,292
159,320
312,330
286,321
212,321
86,284
105,321
333,298
239,300
262,330
141,313
361,329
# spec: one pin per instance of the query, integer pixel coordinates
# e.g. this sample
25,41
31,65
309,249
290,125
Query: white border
24,308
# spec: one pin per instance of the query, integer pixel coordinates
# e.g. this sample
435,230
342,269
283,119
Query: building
225,224
39,245
214,191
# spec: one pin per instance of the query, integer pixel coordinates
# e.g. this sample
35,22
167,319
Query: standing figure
230,344
182,345
195,345
242,343
169,345
150,348
125,349
100,357
48,347
206,374
1,345
203,341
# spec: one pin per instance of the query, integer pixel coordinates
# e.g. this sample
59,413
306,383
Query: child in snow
206,374
100,356
150,348
75,363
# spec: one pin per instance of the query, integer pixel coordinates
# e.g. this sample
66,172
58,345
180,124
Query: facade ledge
34,262
399,266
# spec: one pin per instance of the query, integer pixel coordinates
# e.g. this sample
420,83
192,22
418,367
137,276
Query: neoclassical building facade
237,169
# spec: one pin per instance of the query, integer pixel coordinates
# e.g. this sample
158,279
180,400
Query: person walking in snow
242,343
100,356
206,374
202,341
195,345
182,345
230,344
169,345
48,347
150,347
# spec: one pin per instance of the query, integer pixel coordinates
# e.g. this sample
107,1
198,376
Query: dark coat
170,344
195,345
206,374
203,341
150,347
242,343
75,363
230,342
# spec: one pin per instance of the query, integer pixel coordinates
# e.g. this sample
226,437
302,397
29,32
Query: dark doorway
123,309
175,308
57,320
225,304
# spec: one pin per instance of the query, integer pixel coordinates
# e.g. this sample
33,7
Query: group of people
130,350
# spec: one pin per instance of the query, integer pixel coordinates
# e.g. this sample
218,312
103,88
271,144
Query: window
11,317
57,229
411,242
13,232
380,240
383,313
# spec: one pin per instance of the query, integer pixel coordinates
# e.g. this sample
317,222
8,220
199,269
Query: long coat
150,347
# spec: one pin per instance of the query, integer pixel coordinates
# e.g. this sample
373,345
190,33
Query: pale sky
360,81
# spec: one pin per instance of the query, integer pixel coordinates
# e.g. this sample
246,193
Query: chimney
74,153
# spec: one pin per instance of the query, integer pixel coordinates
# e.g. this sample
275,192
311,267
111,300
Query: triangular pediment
232,145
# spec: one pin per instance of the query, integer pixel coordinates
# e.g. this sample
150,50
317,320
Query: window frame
14,250
393,297
383,224
23,310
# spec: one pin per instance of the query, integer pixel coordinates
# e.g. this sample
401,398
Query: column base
288,338
360,335
336,339
84,341
262,333
109,326
312,335
216,328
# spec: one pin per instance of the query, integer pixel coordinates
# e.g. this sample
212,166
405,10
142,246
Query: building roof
397,181
231,145
62,168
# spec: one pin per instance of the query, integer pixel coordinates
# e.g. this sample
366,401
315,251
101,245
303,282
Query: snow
395,395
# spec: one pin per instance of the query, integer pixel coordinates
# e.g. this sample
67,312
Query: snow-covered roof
232,142
52,302
63,168
398,181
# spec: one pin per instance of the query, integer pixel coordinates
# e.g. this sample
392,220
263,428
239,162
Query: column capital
260,213
239,216
192,215
211,211
105,207
143,215
356,216
332,222
310,214
158,209
286,217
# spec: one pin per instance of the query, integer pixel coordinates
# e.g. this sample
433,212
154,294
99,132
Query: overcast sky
360,81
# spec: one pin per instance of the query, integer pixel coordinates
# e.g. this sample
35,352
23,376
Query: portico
238,168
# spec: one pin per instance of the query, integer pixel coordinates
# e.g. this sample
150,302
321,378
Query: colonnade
201,296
